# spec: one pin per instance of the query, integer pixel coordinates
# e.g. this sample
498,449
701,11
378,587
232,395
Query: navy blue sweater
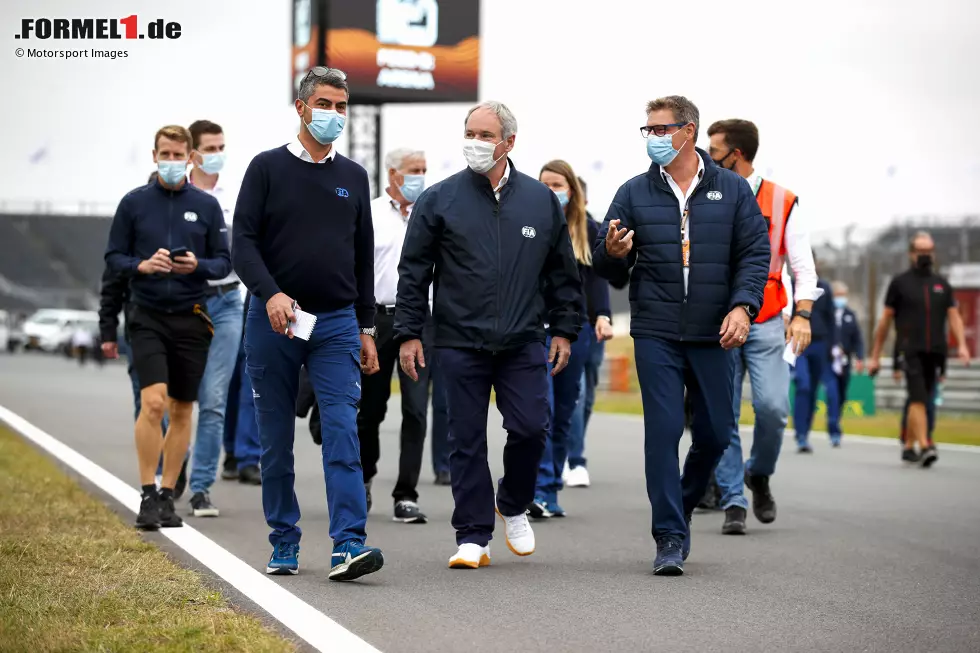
153,217
304,229
823,319
500,269
730,253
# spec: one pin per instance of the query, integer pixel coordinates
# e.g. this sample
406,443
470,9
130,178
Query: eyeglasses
659,130
323,71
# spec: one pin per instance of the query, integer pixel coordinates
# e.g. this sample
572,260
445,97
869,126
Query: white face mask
479,154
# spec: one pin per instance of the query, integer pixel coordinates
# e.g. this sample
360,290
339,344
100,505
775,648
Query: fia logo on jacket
528,232
190,216
714,195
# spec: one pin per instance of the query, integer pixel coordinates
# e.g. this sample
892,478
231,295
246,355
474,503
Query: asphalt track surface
866,555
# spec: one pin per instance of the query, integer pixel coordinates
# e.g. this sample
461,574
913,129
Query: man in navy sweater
304,241
691,240
813,365
495,244
169,237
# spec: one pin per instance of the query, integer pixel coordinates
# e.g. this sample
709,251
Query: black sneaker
168,516
929,456
148,518
763,503
407,512
367,491
442,478
804,448
201,505
250,475
229,471
734,521
910,456
181,484
712,496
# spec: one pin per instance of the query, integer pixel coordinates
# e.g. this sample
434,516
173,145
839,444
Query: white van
50,329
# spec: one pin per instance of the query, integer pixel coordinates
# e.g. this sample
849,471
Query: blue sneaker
352,560
284,560
686,545
670,559
555,509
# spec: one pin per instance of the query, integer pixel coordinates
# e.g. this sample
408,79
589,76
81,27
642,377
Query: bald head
922,250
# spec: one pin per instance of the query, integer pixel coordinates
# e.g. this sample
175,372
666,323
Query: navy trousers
440,416
664,368
808,375
332,359
520,379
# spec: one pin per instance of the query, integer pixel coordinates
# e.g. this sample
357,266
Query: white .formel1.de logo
96,28
528,232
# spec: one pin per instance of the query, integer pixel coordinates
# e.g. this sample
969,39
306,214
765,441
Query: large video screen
394,50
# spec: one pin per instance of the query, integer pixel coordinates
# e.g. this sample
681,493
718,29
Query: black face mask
923,262
721,162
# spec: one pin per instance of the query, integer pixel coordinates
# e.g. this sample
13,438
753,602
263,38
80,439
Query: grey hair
839,287
917,236
508,123
396,158
308,86
683,109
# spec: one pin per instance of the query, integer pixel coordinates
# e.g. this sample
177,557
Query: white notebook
789,354
302,324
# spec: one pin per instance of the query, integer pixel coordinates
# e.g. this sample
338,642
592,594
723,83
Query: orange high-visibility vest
776,203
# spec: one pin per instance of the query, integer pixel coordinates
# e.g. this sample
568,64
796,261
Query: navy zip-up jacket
501,269
849,335
823,319
153,217
730,254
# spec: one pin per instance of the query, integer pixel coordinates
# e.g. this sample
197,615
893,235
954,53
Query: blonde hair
574,212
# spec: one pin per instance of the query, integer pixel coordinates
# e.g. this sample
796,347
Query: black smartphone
179,251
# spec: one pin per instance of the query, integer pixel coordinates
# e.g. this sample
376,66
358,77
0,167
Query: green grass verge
74,577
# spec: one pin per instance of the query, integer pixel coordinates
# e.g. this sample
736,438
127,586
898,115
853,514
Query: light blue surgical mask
562,197
326,125
213,163
661,150
171,172
412,187
840,302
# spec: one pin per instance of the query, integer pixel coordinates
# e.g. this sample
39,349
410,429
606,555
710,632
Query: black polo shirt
921,301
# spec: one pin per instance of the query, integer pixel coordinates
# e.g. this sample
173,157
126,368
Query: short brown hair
200,127
174,133
683,109
739,134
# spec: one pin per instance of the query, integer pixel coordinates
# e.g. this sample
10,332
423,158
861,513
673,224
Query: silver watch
373,331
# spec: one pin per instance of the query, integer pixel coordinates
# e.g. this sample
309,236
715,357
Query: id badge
686,251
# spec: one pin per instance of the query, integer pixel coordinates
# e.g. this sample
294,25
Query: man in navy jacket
495,244
848,345
169,238
812,367
692,241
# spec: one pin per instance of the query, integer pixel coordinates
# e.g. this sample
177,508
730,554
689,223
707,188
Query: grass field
74,577
953,429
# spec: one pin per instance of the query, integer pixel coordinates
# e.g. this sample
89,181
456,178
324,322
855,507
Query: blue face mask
213,163
171,172
562,197
840,302
412,187
326,125
661,150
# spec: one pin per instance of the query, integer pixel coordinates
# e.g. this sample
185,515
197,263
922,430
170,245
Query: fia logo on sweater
342,192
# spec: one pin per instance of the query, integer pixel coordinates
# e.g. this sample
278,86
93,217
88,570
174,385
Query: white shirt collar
666,175
297,149
755,179
396,207
219,188
503,180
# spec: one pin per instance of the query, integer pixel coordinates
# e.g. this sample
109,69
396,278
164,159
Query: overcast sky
867,108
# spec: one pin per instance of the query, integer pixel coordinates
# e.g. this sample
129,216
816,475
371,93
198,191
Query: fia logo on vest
528,232
714,195
190,216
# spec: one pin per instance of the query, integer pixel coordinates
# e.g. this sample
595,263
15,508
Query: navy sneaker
555,510
351,560
670,557
284,560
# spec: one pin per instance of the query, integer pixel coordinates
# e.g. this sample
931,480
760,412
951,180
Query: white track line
311,625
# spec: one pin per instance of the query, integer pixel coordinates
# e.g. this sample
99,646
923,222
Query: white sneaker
564,472
518,534
470,556
577,477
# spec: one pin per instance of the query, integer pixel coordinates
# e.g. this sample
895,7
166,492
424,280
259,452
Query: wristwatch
749,311
373,331
805,314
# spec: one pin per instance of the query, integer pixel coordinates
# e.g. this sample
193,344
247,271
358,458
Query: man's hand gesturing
619,242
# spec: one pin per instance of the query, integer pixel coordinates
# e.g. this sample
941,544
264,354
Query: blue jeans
564,390
583,409
808,375
244,447
440,416
664,368
762,357
212,398
836,388
332,359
